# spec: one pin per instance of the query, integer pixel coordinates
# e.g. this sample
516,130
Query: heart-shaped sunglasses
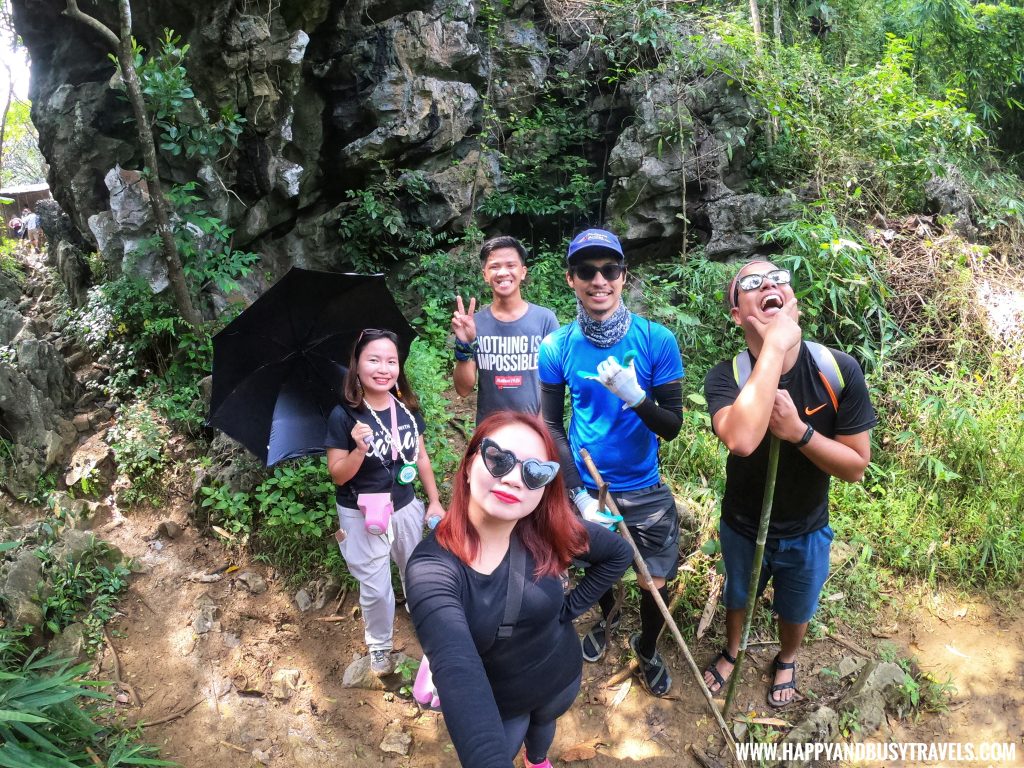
499,462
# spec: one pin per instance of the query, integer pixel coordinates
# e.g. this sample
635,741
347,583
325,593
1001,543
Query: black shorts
651,516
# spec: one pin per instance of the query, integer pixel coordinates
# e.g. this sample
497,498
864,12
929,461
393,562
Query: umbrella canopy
278,366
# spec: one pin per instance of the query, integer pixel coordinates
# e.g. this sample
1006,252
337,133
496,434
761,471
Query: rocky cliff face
330,90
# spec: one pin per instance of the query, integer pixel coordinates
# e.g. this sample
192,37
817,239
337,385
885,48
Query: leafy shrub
51,714
85,590
139,439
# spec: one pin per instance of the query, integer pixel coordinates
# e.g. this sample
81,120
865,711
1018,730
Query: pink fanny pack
376,509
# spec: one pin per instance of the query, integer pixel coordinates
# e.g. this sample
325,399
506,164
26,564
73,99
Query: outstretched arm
467,700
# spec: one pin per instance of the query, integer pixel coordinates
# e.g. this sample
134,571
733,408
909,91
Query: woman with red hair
487,597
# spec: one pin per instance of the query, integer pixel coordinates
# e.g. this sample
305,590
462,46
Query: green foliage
544,172
46,484
841,292
183,122
374,228
920,691
406,669
10,264
22,162
139,441
85,590
287,518
204,244
150,351
870,132
227,509
297,500
429,372
50,715
942,501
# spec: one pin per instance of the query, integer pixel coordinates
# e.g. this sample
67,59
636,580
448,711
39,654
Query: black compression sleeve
663,413
552,406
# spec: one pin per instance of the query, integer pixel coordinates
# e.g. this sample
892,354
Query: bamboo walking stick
645,576
755,569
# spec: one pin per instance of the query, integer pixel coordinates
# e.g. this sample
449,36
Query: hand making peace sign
463,324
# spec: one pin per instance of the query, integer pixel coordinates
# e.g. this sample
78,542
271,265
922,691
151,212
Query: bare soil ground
236,721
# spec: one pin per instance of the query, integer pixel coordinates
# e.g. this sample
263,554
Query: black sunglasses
609,272
372,334
499,462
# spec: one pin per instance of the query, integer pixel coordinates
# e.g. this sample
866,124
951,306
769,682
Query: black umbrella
278,366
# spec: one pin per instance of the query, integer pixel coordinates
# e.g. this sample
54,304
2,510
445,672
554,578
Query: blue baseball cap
594,243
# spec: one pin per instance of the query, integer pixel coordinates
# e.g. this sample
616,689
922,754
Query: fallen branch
341,601
136,699
169,718
331,619
703,758
235,747
852,646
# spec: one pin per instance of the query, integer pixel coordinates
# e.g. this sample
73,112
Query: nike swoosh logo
812,411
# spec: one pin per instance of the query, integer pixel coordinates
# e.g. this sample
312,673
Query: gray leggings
537,728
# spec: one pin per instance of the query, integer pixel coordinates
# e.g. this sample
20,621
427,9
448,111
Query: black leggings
537,728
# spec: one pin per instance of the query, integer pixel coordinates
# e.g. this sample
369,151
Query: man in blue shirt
623,373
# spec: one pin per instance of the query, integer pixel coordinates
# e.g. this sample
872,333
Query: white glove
620,381
587,505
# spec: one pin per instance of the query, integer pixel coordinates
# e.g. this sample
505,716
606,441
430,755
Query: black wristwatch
806,438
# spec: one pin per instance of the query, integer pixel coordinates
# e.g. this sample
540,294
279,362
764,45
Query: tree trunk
755,21
777,25
3,120
123,46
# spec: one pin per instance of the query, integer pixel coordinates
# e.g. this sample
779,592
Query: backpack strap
516,585
824,360
828,370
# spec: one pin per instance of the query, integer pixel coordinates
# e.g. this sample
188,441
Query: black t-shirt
480,679
800,504
378,473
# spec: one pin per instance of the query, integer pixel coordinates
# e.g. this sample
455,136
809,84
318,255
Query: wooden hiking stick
645,576
755,569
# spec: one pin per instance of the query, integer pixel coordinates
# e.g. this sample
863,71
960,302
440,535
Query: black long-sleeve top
479,679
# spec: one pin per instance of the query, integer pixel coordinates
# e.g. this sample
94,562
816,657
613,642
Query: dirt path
183,642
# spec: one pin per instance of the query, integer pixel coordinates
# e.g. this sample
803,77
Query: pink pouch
376,509
423,689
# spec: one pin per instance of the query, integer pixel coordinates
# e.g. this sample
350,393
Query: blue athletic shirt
624,449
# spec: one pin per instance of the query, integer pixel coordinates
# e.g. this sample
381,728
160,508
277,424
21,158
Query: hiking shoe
381,663
653,671
595,642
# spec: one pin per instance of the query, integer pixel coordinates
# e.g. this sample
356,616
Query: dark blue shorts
798,568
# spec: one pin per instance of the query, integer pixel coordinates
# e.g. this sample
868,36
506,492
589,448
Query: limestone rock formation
330,91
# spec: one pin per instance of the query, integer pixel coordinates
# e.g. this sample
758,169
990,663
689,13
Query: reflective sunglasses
754,281
609,272
499,462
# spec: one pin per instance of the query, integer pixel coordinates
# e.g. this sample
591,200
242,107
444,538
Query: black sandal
779,666
712,669
654,672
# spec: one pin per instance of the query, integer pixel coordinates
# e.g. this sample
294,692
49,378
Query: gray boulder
20,592
736,223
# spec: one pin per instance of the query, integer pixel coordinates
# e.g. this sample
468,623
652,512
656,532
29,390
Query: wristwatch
806,438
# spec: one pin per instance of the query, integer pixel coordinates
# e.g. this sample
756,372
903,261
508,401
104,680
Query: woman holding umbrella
375,450
486,594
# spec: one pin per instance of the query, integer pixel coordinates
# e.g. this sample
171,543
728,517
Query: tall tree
122,46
